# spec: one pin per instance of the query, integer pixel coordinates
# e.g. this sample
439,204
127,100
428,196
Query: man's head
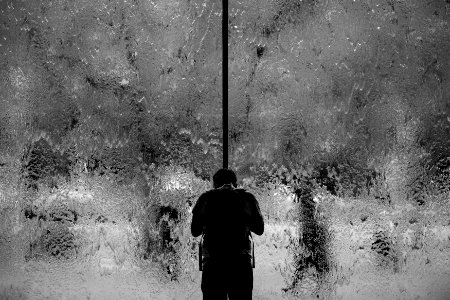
224,176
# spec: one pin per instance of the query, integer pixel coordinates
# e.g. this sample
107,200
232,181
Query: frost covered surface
348,99
110,128
109,109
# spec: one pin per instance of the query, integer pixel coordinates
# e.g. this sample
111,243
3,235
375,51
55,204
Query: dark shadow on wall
41,164
311,250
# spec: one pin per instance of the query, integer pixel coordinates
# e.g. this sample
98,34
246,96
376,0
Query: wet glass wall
339,120
111,128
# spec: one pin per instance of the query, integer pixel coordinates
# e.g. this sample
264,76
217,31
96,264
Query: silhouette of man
226,216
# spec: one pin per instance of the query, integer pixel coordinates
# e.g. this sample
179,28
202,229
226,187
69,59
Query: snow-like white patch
124,82
442,233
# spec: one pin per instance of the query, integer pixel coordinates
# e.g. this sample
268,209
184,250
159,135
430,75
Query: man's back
226,216
226,224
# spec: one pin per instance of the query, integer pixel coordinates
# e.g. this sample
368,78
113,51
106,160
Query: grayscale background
111,127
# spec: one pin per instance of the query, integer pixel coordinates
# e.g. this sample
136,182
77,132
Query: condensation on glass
340,120
110,129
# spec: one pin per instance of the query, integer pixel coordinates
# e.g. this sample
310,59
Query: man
226,216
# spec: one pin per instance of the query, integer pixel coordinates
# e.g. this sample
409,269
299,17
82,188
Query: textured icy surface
110,128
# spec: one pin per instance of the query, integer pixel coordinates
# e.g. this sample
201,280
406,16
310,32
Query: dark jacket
226,216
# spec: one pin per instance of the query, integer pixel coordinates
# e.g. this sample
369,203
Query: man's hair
224,176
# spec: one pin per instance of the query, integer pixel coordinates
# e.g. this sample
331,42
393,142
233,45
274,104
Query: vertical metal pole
225,81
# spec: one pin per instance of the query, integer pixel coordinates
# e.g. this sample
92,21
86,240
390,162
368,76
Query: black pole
225,81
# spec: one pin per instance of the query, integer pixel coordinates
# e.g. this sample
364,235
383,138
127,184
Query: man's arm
198,216
256,219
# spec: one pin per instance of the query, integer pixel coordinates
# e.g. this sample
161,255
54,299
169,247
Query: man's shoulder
212,193
244,193
207,194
